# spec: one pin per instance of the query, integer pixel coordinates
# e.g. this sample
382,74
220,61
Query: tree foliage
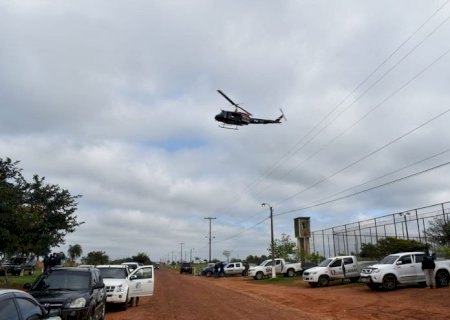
141,257
439,232
388,246
74,252
283,247
34,216
95,258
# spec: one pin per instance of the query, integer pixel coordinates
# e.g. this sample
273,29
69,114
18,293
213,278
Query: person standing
428,266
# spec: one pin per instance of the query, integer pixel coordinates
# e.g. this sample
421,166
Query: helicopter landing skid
228,127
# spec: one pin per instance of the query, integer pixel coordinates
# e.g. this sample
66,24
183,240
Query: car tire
442,278
389,282
324,281
290,273
209,274
259,275
125,304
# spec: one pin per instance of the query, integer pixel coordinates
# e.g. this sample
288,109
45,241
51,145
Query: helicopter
233,119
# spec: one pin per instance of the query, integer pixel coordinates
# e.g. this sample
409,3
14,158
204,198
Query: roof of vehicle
112,266
412,252
4,291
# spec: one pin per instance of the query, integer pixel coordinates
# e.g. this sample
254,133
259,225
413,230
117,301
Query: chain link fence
347,239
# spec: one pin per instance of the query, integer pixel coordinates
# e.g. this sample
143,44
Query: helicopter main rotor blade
232,102
229,100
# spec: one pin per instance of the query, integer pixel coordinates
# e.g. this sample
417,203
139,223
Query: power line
366,190
367,155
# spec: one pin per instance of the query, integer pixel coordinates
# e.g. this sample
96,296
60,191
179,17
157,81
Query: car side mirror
133,277
399,262
27,286
99,286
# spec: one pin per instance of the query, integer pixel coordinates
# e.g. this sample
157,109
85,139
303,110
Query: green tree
141,258
390,245
74,252
34,216
283,247
439,232
95,258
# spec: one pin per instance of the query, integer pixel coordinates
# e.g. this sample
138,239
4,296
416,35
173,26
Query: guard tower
303,233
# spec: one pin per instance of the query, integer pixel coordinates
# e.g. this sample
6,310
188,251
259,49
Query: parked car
233,268
132,265
122,285
208,271
17,304
17,263
79,293
186,267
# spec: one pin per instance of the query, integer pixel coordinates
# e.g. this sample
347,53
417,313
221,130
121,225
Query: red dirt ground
187,297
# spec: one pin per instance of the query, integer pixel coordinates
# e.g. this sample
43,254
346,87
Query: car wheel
125,304
209,274
323,281
389,282
442,278
91,314
259,275
290,273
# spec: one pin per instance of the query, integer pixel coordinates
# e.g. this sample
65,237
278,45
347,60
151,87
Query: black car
17,304
79,293
186,267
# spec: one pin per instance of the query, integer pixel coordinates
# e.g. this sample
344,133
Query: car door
336,270
142,281
229,269
418,266
351,268
405,269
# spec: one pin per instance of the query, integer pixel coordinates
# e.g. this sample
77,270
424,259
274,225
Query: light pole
209,218
181,256
272,244
404,214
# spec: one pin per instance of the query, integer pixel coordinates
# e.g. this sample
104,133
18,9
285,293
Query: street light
271,238
404,214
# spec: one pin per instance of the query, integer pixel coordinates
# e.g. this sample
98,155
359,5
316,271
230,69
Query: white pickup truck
124,286
334,268
233,268
403,268
264,269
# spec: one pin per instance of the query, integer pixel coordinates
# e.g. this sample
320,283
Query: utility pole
209,218
272,243
181,256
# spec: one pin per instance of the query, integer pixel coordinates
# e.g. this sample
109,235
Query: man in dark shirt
428,270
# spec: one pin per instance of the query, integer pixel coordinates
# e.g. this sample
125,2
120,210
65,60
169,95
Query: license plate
364,279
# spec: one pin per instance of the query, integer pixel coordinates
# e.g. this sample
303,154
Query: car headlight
77,303
376,270
119,288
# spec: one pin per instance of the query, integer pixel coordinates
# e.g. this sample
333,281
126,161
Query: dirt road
187,297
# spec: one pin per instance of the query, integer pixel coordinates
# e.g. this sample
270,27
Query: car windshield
113,273
389,260
325,262
64,280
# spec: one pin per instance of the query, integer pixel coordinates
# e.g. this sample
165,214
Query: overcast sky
115,101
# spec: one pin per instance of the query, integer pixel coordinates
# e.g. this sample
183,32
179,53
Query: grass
17,282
